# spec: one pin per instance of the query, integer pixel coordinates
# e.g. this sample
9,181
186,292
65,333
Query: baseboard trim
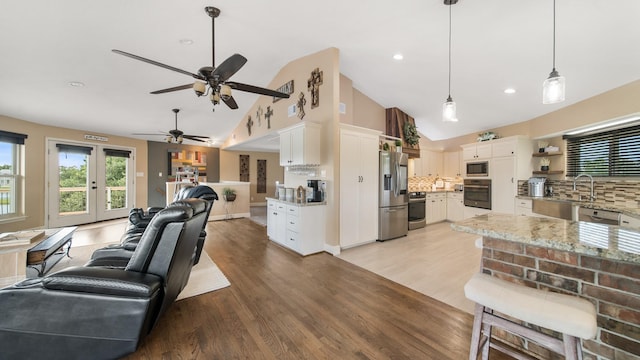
230,216
332,249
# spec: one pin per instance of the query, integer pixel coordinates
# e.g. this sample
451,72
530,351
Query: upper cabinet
476,151
452,164
300,144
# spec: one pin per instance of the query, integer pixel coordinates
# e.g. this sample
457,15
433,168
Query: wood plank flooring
284,306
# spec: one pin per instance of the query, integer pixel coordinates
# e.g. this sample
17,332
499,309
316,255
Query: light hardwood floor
284,306
433,260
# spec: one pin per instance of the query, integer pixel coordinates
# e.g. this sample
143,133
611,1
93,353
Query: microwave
478,169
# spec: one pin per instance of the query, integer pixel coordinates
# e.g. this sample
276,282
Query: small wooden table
49,251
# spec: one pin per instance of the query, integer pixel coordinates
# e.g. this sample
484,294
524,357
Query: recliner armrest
103,281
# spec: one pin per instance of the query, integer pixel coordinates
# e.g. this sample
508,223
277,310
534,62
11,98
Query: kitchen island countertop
604,241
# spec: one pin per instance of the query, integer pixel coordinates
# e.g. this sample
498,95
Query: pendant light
553,87
449,107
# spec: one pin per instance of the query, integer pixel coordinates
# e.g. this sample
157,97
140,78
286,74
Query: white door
87,183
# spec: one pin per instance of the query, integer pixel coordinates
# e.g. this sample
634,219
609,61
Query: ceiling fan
178,136
213,80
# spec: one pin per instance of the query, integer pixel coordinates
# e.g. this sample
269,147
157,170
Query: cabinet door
285,148
272,215
349,188
469,152
503,184
483,151
434,163
368,189
281,223
507,148
451,161
297,155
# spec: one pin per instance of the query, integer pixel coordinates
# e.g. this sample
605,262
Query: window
11,178
611,153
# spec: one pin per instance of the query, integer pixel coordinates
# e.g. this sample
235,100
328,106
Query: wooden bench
571,316
49,251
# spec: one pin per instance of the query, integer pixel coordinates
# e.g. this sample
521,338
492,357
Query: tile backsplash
609,193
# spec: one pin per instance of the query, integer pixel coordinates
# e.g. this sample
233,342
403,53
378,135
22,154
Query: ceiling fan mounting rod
213,12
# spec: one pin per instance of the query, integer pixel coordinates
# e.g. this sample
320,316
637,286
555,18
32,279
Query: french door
87,182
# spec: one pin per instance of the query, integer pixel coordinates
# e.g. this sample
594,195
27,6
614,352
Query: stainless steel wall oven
477,193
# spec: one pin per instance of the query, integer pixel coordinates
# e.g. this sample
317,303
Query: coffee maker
315,191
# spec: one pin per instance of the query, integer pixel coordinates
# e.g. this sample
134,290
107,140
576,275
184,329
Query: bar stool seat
572,316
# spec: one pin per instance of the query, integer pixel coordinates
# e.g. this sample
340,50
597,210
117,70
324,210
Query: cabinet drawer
293,210
281,206
293,223
292,241
433,196
526,203
457,196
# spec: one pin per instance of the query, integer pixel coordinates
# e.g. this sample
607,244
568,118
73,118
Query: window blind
117,152
611,153
12,138
74,149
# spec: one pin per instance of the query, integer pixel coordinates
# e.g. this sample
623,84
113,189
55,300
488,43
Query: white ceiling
496,44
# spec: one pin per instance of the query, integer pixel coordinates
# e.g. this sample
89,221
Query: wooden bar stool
574,317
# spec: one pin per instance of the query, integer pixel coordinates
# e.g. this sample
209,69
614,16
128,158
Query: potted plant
229,194
544,164
399,145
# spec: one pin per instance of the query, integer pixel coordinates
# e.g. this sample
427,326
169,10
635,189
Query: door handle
94,187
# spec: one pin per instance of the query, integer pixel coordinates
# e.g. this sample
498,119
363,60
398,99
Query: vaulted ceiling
496,44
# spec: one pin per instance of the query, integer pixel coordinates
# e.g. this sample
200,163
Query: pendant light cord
554,35
450,48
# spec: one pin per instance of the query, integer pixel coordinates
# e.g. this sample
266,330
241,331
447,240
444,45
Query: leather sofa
87,312
119,254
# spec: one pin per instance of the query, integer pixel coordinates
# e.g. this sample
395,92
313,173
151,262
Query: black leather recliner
118,255
103,313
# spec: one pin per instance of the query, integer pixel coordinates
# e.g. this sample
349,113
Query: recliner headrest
196,205
201,192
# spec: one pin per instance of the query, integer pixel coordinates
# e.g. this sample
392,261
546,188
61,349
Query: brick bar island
600,263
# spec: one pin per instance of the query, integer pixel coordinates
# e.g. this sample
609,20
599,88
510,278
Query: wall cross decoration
249,124
313,85
267,116
301,102
259,113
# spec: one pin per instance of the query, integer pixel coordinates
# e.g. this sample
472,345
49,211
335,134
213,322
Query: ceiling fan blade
175,88
196,136
257,90
229,67
230,101
140,58
193,138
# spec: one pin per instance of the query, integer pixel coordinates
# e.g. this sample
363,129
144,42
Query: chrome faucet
592,196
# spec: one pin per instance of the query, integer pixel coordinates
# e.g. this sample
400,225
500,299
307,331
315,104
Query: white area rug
205,276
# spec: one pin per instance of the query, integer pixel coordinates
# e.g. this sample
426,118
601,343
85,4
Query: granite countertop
297,204
631,211
605,241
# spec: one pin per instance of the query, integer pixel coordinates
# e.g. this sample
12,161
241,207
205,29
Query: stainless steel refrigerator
393,212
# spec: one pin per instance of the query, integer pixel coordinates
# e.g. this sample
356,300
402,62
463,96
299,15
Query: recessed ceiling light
76,83
509,91
186,41
398,56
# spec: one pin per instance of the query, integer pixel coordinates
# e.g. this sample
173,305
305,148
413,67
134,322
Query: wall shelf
540,154
548,172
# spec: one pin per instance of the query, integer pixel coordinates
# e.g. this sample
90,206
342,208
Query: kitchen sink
561,209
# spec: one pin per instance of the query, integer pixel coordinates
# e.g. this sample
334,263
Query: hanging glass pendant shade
449,110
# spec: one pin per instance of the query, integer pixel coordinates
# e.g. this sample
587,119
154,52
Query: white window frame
16,195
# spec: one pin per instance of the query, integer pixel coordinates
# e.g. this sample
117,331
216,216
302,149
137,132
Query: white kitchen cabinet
432,164
630,222
452,164
524,207
359,163
300,144
298,227
476,151
436,207
455,206
470,211
511,161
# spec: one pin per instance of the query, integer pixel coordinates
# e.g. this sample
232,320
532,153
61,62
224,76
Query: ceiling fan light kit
449,107
553,87
213,80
